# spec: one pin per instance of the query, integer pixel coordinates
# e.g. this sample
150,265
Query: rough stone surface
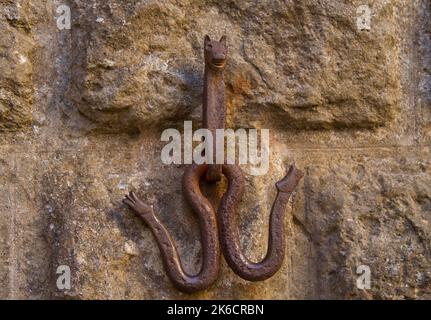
304,63
16,76
82,111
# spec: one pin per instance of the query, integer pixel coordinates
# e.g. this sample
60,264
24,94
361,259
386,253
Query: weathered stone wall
82,110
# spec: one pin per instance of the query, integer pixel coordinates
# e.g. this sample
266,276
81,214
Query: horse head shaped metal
218,229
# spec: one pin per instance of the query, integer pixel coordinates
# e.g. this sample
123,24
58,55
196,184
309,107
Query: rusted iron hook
224,225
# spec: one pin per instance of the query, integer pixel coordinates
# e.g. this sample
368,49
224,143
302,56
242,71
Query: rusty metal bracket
214,108
221,229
